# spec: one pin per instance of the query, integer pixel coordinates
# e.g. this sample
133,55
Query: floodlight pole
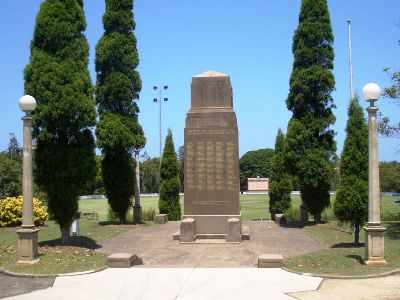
350,61
160,101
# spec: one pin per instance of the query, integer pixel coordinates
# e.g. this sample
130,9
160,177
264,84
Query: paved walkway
380,288
12,285
155,246
177,283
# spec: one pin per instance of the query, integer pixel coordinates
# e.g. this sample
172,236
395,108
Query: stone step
245,233
123,260
270,261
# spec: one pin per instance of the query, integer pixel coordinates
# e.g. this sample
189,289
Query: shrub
169,184
292,214
11,212
390,216
148,214
114,217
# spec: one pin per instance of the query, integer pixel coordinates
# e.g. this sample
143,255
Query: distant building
257,184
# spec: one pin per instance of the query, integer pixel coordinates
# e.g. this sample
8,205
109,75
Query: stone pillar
188,230
137,209
28,235
374,241
233,231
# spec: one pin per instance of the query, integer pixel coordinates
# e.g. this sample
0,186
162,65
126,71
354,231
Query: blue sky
249,40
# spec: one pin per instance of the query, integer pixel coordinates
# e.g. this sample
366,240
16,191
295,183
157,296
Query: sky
251,41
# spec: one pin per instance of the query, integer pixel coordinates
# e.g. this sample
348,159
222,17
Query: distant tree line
389,173
255,163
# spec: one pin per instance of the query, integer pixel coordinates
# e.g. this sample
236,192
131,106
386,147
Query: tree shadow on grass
347,245
75,241
356,257
393,231
106,223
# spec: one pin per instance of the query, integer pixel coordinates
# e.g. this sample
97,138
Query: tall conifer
169,182
57,76
118,85
309,143
280,185
351,204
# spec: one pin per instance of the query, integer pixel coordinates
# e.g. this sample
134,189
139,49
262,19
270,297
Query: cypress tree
57,76
118,85
280,183
169,183
351,204
309,142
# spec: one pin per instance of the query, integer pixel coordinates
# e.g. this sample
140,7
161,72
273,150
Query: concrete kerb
390,273
2,270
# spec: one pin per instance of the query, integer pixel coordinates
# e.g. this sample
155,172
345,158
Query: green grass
253,207
57,259
341,256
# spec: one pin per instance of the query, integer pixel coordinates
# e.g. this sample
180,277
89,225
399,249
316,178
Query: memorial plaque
211,155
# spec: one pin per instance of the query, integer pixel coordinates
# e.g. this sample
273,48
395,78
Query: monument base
374,245
28,245
215,228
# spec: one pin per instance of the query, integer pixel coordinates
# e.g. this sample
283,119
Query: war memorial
212,208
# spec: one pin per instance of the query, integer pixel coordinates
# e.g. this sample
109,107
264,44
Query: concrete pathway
13,285
155,246
380,288
177,283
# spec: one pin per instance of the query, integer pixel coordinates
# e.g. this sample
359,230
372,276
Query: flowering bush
11,212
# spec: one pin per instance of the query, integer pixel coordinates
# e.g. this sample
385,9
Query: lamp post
374,241
160,101
28,235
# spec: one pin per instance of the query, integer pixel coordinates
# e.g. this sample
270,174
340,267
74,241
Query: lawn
253,207
341,256
57,259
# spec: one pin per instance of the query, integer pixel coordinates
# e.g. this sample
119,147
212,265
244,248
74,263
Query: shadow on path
16,285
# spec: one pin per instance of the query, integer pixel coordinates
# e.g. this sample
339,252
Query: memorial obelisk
212,208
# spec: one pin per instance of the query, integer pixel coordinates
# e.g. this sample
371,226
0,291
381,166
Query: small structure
257,184
161,218
270,261
280,219
123,260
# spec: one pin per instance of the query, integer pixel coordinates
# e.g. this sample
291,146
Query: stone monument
212,208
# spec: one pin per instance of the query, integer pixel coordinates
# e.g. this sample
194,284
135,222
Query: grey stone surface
156,247
161,218
16,285
270,261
